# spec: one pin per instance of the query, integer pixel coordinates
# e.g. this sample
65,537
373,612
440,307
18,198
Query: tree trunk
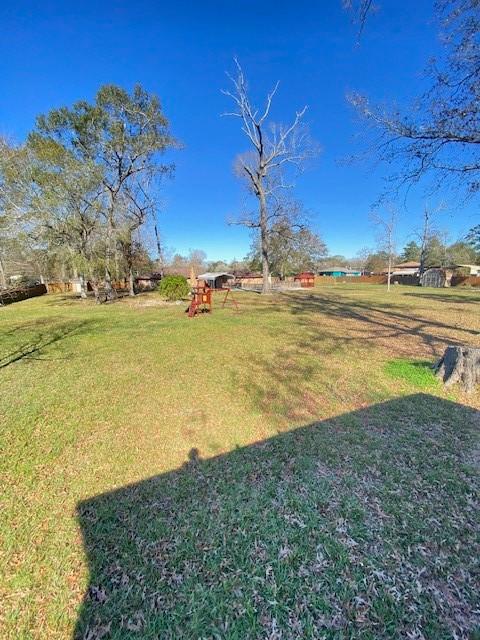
423,250
83,287
159,251
423,258
3,278
131,288
389,276
264,244
460,364
108,248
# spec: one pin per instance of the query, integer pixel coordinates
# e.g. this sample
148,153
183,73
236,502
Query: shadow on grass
376,321
33,346
362,526
447,297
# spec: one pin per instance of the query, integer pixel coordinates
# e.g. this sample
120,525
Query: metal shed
216,280
436,277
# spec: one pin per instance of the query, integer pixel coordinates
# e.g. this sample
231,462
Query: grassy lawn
293,470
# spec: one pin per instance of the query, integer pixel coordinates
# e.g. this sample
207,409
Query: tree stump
460,364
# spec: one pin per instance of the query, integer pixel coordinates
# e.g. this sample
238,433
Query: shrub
174,287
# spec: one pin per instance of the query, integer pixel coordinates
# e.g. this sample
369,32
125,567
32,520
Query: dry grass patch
242,541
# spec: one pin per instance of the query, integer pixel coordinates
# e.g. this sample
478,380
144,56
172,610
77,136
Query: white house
473,269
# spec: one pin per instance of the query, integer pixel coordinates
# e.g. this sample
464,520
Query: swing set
202,300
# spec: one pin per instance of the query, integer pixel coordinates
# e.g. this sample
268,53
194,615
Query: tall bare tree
292,245
360,10
386,224
275,150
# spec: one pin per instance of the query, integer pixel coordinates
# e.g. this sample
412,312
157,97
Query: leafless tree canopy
276,151
386,224
360,10
440,135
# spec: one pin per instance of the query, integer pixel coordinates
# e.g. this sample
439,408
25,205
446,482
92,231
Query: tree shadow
67,299
361,526
326,336
450,297
376,321
35,343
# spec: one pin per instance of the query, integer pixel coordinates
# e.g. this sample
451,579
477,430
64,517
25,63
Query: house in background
469,269
148,281
340,272
406,269
244,279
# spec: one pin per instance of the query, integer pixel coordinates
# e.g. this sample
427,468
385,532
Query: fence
465,281
258,281
21,293
278,285
412,280
323,280
59,287
69,287
409,279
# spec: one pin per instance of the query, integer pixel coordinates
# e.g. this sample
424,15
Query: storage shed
216,280
306,279
436,277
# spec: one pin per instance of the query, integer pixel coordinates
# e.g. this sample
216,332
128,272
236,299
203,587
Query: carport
216,280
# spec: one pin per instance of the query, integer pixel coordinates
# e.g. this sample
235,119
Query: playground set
202,299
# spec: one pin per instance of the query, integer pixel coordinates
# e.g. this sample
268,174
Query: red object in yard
306,278
202,300
229,294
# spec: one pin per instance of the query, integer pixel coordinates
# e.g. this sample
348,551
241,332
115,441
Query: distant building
306,279
406,269
436,277
148,281
471,269
339,272
216,280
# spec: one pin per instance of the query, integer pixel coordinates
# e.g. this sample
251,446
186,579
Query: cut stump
460,364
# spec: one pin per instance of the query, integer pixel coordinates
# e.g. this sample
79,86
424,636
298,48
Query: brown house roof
408,265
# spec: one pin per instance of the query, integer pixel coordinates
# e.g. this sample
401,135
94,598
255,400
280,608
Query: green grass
418,374
279,472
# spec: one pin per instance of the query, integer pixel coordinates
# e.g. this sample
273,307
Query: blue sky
54,53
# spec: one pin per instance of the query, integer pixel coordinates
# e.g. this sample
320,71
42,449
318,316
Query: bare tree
439,136
360,10
386,224
361,258
275,151
292,245
160,252
427,232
